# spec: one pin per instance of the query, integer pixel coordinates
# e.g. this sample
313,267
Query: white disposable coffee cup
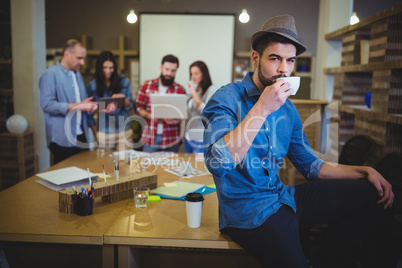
194,209
294,82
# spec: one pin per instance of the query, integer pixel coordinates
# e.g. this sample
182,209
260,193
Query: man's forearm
240,139
143,113
331,170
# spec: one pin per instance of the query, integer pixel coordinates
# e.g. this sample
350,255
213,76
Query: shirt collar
251,88
64,69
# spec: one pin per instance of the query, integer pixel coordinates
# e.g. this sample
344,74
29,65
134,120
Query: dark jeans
61,153
352,204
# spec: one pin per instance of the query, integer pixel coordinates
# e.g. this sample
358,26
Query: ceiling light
354,19
131,17
244,17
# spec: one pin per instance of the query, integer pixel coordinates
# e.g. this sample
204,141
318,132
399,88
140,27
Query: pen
117,171
89,177
74,190
104,174
83,191
117,174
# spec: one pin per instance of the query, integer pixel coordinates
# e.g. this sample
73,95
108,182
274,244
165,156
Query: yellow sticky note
154,198
101,176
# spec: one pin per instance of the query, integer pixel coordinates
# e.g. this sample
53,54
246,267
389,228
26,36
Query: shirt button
270,147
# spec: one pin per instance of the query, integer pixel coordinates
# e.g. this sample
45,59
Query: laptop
169,106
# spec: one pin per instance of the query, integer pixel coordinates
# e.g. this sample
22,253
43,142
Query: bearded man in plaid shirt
160,134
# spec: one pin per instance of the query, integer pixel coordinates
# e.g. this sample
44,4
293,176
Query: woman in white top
201,89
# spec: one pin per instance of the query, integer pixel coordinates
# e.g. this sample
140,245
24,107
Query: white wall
209,38
29,61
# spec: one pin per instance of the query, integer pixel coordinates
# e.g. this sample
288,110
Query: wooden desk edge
55,239
164,242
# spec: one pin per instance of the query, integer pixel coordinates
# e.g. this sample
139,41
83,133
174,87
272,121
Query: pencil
104,174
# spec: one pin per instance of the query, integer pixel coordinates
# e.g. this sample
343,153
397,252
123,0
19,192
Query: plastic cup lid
194,197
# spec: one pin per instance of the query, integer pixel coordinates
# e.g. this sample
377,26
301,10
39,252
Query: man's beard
166,81
265,81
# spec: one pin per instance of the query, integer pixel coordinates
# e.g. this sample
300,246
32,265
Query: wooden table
164,225
154,235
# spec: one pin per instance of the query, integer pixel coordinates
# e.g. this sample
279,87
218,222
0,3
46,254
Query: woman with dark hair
201,89
111,130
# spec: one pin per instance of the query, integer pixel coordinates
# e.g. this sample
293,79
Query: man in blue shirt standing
64,101
250,127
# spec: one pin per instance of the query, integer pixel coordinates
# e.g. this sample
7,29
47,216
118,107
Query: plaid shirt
171,133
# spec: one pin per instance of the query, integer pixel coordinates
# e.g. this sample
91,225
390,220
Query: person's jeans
61,153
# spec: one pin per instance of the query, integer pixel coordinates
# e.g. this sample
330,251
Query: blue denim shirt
115,122
56,89
251,191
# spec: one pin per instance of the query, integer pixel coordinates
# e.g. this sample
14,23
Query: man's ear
255,58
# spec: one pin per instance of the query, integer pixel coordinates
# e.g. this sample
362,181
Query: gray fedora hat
283,25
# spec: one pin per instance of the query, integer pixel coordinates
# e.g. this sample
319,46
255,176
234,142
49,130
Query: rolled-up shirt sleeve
218,121
315,167
219,161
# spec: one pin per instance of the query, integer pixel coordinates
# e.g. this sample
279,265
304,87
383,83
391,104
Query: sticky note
170,184
154,198
101,176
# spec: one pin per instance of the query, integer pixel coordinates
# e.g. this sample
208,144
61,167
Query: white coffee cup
194,209
294,82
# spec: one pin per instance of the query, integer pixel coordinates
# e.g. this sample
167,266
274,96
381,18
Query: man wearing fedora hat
250,127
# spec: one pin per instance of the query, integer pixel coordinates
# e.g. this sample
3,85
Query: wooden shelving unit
370,67
17,158
121,53
381,77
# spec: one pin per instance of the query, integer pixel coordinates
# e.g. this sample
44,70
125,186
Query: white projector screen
209,38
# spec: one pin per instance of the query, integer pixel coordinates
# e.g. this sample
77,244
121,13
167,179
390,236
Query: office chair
390,167
357,150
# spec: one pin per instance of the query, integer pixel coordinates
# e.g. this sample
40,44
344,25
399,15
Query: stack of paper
65,178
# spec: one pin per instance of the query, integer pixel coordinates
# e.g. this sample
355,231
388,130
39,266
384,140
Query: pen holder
84,205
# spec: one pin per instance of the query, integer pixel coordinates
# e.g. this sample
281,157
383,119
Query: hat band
285,31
